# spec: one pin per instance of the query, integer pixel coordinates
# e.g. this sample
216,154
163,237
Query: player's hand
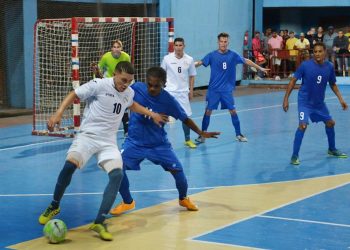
266,71
160,119
206,134
52,122
344,105
95,69
285,105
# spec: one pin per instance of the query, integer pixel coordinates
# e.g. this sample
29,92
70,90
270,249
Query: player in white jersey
181,72
106,100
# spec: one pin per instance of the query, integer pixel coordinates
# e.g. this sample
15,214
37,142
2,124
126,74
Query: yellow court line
168,226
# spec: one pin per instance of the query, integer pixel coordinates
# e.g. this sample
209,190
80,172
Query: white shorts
88,145
183,99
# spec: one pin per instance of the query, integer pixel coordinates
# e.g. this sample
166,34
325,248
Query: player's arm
254,65
289,90
191,82
336,91
198,63
157,118
56,118
190,123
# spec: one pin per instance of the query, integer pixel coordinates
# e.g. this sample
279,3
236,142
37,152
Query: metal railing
282,63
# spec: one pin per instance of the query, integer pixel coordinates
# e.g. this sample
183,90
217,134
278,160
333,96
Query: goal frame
75,69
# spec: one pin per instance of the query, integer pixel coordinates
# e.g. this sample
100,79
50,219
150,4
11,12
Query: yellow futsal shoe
337,153
48,214
102,231
190,144
187,203
122,208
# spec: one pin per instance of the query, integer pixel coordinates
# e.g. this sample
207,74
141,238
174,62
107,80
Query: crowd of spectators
283,51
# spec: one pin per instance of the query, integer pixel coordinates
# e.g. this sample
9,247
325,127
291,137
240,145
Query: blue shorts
226,100
163,155
318,114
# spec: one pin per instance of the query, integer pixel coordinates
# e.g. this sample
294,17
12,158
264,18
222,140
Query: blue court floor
29,166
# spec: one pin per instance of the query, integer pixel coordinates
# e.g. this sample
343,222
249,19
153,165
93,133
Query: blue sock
331,138
299,134
205,122
186,130
111,190
236,124
125,191
63,182
181,183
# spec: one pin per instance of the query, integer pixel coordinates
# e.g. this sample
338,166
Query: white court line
272,209
33,144
190,188
194,118
99,193
228,244
300,220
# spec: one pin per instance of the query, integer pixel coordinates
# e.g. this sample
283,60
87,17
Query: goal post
64,50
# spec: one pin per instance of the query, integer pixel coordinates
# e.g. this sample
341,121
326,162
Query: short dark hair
320,44
157,72
179,39
126,67
223,34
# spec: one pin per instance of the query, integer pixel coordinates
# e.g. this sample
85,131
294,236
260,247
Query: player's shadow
45,149
303,171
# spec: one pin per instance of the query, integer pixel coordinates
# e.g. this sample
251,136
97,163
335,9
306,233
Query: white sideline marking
275,208
194,118
301,220
100,193
33,144
197,188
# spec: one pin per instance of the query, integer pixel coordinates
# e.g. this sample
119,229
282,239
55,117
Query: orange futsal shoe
187,203
122,208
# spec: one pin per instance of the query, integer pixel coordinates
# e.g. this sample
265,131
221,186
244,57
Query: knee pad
75,158
109,165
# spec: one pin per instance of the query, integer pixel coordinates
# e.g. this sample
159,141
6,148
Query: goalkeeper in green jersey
106,67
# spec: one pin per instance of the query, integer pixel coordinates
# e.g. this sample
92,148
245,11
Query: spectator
303,45
347,34
265,39
341,46
292,53
275,43
310,36
258,55
328,39
281,34
319,36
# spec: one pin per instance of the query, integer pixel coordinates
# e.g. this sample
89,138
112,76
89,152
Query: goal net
64,50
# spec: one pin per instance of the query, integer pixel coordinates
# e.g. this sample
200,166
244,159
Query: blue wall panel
306,3
29,18
200,21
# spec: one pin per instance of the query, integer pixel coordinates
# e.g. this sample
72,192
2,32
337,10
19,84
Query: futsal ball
55,231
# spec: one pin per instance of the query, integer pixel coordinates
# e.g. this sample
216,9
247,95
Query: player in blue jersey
315,74
146,141
106,100
222,82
